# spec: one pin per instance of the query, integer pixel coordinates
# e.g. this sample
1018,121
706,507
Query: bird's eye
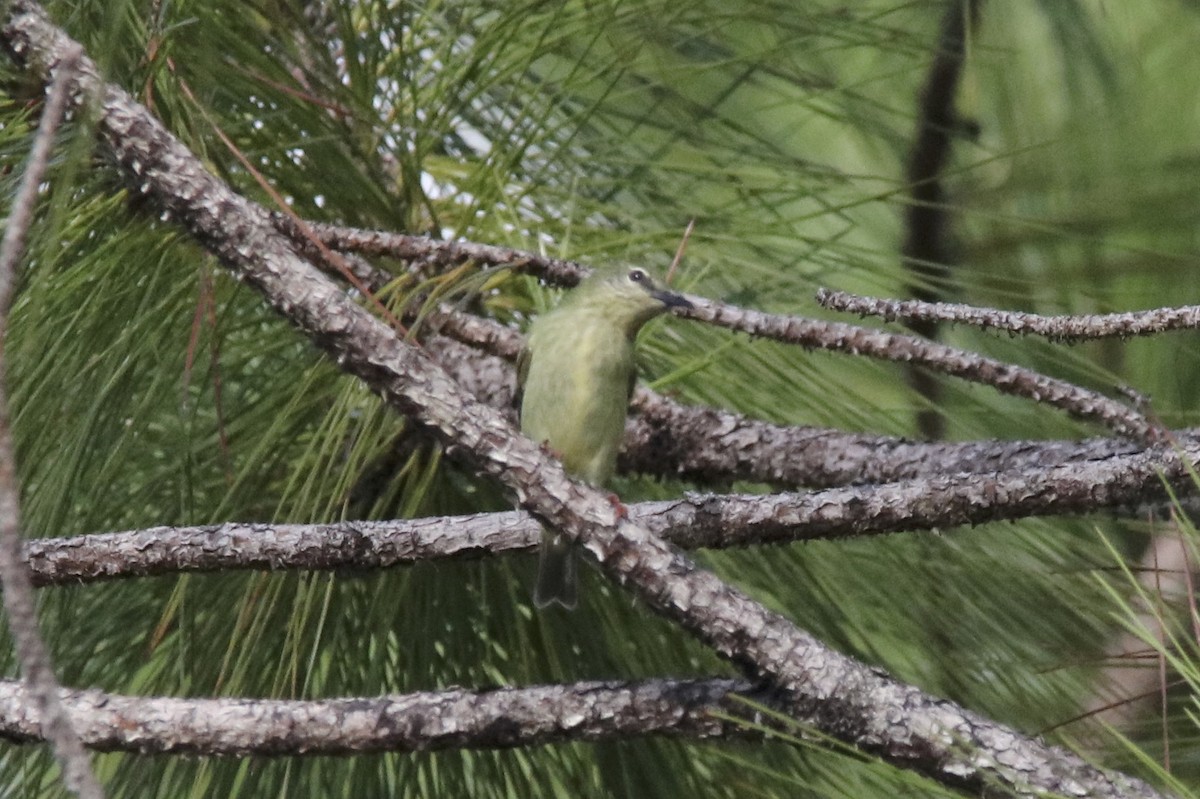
636,275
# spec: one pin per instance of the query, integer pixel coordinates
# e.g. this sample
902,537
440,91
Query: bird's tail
556,581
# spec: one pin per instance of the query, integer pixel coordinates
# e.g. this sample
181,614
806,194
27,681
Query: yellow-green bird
574,380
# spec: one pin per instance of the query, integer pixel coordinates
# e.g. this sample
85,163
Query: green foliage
148,388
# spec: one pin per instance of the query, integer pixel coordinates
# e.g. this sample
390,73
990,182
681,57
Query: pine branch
940,502
1056,328
1003,377
499,718
713,446
837,695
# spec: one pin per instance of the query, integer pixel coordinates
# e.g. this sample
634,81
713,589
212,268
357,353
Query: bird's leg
551,451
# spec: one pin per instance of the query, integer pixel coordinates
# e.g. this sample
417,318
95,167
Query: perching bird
574,380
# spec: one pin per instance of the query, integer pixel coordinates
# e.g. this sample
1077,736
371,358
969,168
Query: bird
575,377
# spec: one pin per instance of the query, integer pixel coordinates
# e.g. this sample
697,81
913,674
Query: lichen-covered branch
714,446
500,718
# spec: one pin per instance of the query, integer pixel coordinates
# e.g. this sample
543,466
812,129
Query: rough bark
692,522
453,719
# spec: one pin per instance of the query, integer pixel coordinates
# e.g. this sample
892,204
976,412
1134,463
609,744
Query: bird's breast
576,395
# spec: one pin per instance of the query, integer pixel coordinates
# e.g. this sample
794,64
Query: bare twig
501,718
1056,328
1004,377
424,250
19,603
815,684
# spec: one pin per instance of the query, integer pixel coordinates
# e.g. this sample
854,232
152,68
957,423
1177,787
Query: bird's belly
589,445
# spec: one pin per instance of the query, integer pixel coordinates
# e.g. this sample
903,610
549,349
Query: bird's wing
522,373
632,384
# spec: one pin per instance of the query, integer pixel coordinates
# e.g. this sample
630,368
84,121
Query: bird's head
628,298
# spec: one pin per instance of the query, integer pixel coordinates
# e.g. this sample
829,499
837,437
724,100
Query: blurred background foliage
151,389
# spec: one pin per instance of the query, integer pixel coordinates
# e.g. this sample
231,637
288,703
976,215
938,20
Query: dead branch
500,718
1056,328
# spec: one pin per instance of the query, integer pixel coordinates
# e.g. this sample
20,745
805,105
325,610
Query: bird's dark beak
671,299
